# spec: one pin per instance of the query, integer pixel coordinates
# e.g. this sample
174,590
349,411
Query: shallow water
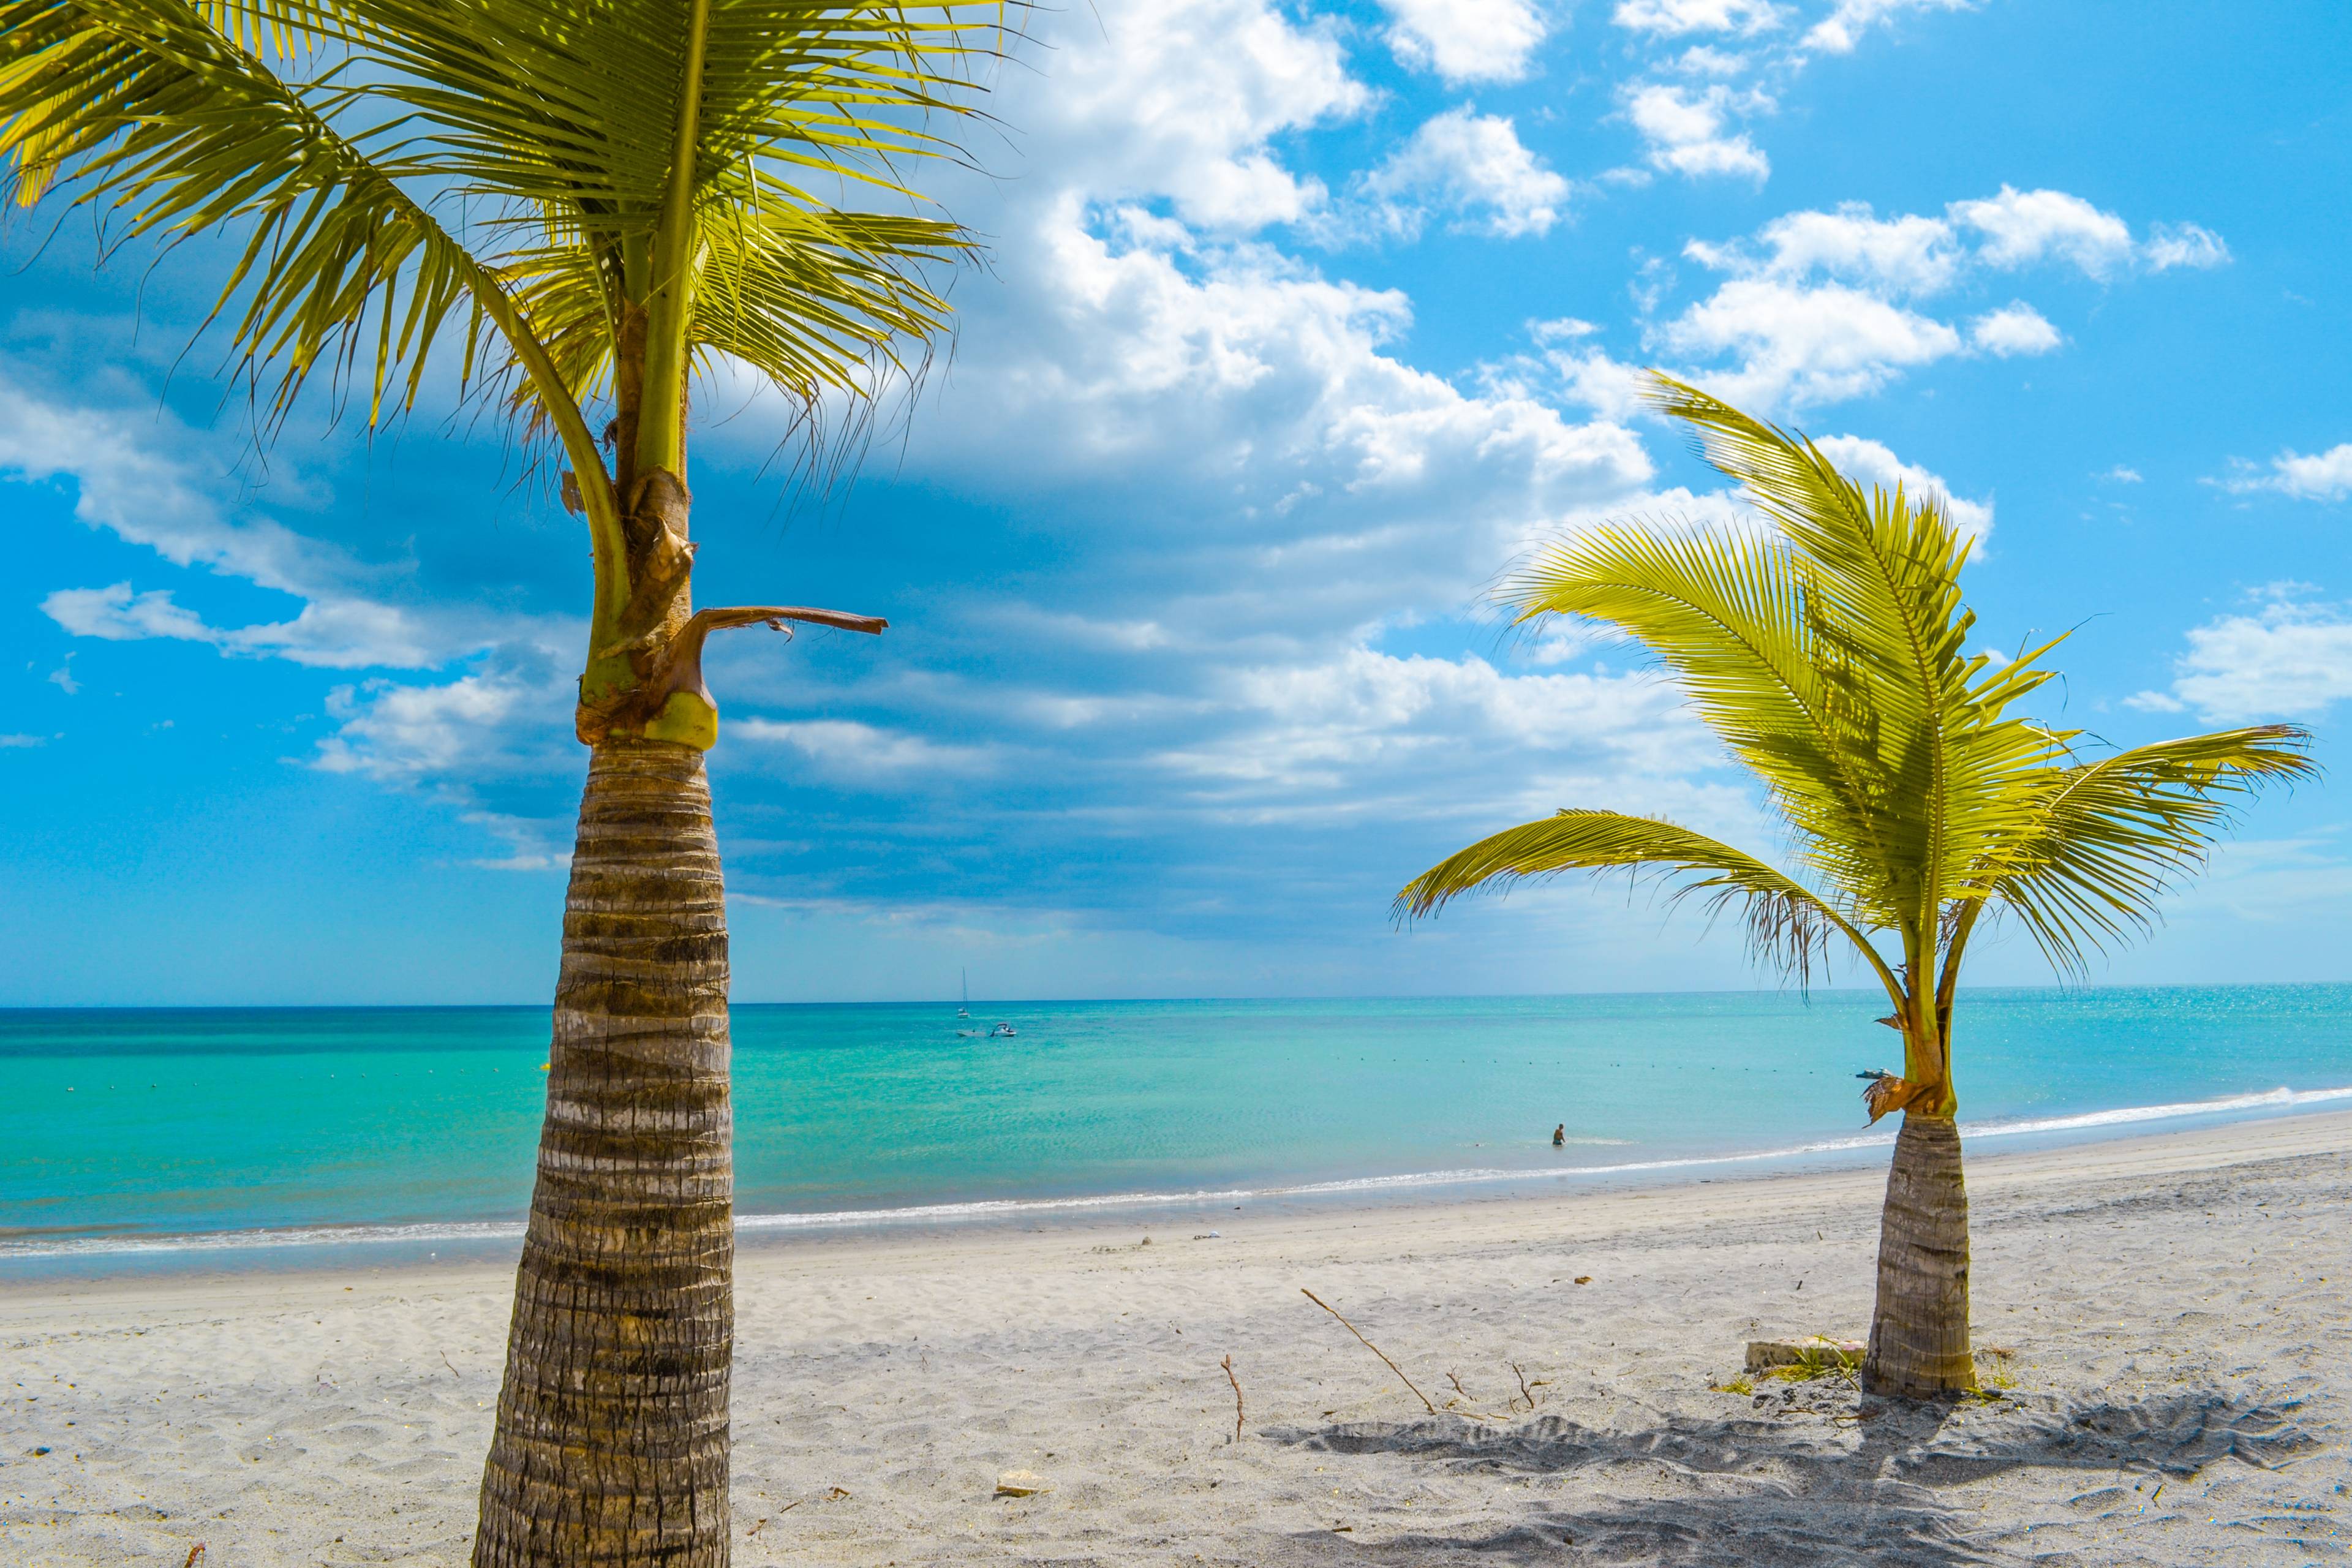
147,1130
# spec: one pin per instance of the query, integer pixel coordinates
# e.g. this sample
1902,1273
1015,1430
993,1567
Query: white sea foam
453,1234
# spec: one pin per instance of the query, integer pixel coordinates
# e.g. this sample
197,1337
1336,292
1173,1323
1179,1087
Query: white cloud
1474,165
2025,227
341,634
1820,305
1842,29
2184,245
2017,327
845,747
1805,345
1874,462
15,742
1177,99
1372,726
1688,132
467,728
2121,475
1674,18
127,483
2291,658
1467,40
2320,476
1900,255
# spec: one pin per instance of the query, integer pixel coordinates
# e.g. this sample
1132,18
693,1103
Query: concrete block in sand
1763,1355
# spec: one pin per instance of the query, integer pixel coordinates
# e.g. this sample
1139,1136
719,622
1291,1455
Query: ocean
256,1137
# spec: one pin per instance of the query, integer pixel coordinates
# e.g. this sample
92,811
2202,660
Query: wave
454,1232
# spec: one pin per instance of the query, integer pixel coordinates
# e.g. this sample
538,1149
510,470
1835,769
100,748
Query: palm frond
2105,840
1727,615
1882,583
1788,926
146,108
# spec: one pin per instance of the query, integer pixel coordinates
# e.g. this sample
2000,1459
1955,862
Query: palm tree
605,196
1830,655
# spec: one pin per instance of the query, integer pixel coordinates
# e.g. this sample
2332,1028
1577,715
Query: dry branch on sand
1367,1344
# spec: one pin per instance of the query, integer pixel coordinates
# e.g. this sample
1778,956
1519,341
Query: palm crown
1831,656
602,192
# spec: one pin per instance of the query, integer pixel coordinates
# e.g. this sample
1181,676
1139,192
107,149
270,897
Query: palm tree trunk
1920,1334
612,1437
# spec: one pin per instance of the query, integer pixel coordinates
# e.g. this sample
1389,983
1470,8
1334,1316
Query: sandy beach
2178,1356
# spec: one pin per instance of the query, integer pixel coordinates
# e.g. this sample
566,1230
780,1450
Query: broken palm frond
1367,1344
1886,1094
1228,1364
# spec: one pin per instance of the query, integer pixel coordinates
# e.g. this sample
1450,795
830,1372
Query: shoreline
30,1260
2168,1310
1596,1211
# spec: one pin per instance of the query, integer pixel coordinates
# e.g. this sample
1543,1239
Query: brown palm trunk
611,1445
1920,1334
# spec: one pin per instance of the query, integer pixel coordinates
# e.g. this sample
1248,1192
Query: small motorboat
1002,1032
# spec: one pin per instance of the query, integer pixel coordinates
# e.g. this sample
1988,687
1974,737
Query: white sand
2183,1366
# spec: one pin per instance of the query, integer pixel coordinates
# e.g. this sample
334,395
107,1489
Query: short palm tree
1830,654
577,203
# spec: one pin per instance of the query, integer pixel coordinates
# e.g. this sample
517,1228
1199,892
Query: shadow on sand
1861,1487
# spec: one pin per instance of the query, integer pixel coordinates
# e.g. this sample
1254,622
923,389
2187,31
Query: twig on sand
1524,1392
1228,1364
194,1552
452,1366
1367,1344
1465,1393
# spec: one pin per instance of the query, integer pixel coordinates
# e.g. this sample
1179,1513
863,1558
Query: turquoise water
139,1131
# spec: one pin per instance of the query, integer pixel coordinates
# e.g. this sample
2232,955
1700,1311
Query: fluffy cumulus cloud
1467,40
2289,655
1177,102
1675,18
2017,327
1821,305
1805,344
1691,131
1473,166
2316,476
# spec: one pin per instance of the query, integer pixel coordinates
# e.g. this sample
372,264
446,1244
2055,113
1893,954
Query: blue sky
1300,324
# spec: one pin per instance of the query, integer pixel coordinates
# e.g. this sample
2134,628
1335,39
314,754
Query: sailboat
965,1011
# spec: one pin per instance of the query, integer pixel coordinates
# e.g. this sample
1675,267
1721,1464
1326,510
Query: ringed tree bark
610,1445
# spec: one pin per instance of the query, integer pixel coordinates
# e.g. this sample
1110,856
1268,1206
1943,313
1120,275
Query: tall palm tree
1830,655
605,196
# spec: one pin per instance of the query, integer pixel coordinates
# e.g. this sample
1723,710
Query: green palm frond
1788,925
1727,615
148,109
2106,839
434,144
1881,585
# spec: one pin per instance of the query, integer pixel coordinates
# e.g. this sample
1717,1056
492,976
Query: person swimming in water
1559,1136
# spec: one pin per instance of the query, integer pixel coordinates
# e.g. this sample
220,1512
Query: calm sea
232,1137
